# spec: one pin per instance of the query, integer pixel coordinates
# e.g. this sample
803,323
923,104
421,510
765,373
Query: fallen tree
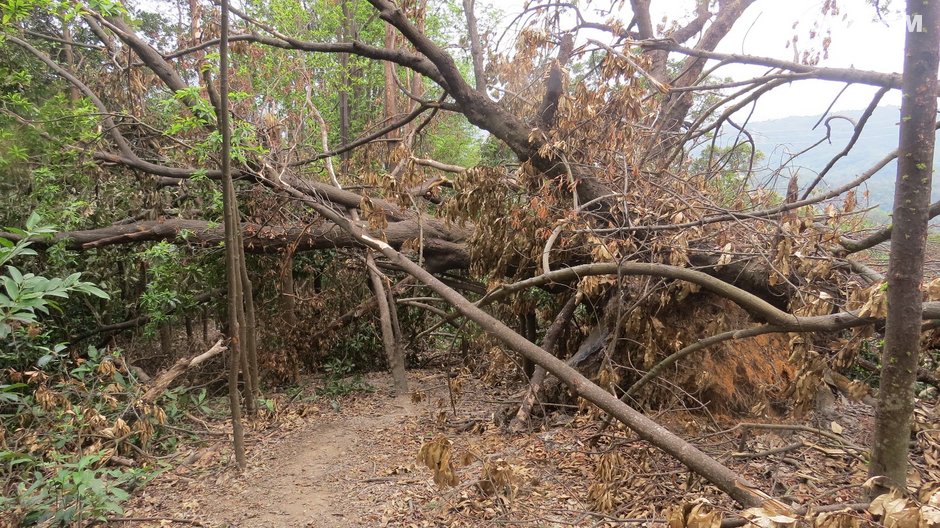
603,186
444,248
162,381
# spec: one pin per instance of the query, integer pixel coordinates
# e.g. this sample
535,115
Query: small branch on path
190,522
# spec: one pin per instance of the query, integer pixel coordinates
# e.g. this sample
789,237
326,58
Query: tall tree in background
908,241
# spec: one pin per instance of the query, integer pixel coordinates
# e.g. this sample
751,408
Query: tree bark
444,246
251,345
231,226
166,340
417,83
162,382
521,419
344,118
74,94
908,243
391,95
396,361
476,50
190,333
287,295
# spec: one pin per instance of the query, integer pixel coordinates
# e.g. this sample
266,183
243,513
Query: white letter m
915,23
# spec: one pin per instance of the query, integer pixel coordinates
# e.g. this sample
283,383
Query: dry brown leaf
697,514
895,510
436,455
839,519
498,478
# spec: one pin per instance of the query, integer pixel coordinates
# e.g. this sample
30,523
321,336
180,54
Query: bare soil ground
311,465
352,462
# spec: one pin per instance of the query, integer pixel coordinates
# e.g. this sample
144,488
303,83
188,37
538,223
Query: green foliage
76,491
172,275
60,428
455,141
339,378
727,169
24,297
359,346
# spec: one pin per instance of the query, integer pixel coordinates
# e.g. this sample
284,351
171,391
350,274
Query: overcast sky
858,40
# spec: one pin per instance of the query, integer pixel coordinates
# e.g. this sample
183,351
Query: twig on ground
190,522
769,452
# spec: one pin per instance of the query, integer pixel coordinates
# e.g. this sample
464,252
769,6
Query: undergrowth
75,441
341,379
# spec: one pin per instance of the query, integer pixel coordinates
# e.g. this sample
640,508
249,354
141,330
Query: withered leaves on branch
436,455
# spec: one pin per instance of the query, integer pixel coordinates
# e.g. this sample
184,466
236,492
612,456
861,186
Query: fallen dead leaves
436,455
481,476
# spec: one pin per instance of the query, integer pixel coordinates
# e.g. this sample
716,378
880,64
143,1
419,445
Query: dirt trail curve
329,469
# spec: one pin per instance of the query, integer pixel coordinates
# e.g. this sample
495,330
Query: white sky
858,41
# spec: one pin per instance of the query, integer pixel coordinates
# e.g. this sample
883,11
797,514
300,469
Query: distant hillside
779,139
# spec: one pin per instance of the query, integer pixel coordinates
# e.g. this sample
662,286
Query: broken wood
162,382
521,419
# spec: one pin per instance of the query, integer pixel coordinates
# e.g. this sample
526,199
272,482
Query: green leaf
44,360
87,287
33,221
13,290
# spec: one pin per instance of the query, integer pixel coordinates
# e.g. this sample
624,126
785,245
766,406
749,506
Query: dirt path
322,468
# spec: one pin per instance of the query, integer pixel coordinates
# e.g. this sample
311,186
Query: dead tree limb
534,389
163,380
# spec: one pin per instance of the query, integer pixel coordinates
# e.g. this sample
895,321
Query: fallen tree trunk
444,246
721,476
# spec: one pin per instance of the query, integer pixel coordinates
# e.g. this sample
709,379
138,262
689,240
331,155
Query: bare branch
476,52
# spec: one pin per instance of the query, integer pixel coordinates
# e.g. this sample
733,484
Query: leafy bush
24,297
64,416
61,427
340,380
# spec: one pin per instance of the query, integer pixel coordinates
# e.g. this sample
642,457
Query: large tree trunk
346,30
908,239
391,95
251,344
166,340
287,296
